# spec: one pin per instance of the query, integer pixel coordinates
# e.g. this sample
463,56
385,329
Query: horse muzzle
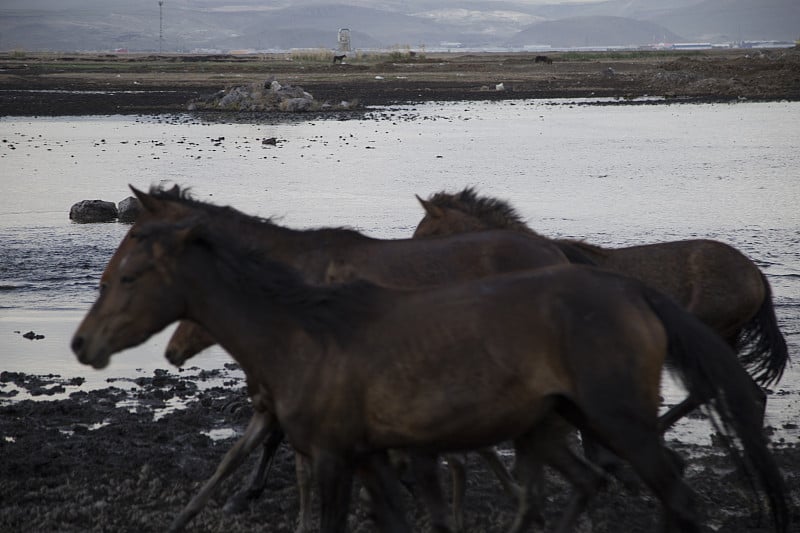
82,349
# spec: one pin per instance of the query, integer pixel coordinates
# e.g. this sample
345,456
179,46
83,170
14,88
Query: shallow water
614,175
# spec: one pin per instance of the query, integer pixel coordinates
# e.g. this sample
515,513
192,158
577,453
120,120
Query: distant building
343,39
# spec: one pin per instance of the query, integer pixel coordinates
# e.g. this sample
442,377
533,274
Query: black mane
499,214
493,211
323,311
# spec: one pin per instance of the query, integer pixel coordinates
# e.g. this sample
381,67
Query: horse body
480,362
712,280
698,273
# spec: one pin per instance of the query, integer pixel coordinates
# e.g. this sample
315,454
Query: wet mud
128,457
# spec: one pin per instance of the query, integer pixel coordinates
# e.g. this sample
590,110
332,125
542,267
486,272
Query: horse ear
430,208
148,202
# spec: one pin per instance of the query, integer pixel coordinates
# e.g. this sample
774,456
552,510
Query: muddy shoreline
127,458
52,85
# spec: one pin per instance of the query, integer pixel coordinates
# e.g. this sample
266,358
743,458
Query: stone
87,211
128,209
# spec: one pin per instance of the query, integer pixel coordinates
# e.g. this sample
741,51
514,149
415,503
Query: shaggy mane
497,213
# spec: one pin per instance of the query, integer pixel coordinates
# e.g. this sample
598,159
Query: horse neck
253,331
308,251
277,330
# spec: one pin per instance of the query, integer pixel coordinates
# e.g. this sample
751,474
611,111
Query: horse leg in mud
239,501
655,465
383,487
585,479
261,424
334,475
425,468
509,484
676,412
302,467
548,444
458,475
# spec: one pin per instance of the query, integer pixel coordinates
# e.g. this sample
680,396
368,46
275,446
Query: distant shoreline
98,84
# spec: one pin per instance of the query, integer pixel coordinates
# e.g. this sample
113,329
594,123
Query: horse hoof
236,504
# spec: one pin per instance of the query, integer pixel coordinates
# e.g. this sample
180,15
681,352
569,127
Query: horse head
137,288
188,340
441,220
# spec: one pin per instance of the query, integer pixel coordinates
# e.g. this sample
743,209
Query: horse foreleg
239,501
458,475
302,467
334,475
530,472
426,473
584,478
546,444
380,480
509,484
260,425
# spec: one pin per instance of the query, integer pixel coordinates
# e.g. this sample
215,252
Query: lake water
615,175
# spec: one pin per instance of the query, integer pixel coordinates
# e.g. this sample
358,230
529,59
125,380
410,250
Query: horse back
414,263
713,280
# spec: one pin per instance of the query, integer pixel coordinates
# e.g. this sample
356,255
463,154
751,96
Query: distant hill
735,20
593,31
223,25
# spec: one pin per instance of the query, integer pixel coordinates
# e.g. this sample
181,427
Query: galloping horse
712,280
351,370
336,255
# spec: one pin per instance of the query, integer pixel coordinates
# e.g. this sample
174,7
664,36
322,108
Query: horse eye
127,279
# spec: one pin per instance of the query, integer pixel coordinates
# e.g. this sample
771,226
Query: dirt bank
60,84
101,461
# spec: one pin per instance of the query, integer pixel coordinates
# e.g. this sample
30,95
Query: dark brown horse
336,255
189,339
713,280
351,370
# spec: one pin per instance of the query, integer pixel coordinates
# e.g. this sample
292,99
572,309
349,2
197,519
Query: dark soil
48,84
101,461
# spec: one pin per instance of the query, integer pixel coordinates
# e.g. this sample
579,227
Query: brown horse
189,339
713,280
452,368
336,255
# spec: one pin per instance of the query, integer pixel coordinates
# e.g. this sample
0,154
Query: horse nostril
77,344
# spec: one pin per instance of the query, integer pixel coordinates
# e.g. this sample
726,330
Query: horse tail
709,369
760,343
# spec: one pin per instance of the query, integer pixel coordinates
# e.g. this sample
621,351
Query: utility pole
160,26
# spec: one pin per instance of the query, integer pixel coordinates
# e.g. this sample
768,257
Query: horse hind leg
239,501
549,445
505,478
658,468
